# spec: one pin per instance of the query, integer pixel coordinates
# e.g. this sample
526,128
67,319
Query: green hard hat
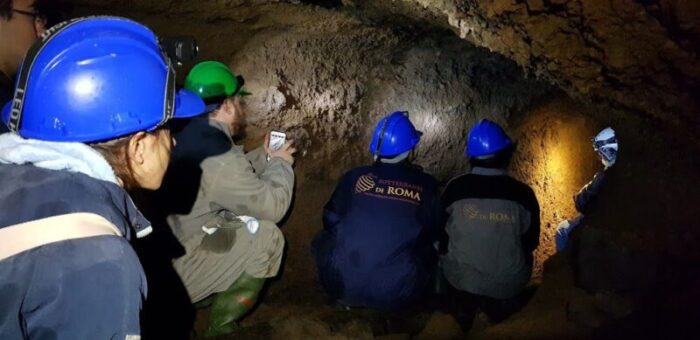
212,79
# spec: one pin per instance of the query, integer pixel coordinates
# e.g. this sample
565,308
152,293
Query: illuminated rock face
327,76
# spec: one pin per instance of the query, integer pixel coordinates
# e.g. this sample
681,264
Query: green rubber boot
232,304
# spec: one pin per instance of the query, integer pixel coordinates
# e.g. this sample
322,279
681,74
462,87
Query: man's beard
238,131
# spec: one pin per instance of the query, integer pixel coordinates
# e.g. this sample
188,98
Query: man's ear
230,109
136,148
39,25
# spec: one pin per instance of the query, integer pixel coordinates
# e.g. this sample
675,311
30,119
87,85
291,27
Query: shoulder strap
25,236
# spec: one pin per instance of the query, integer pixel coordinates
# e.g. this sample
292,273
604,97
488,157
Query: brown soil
555,157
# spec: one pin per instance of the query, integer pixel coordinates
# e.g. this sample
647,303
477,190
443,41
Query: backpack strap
21,237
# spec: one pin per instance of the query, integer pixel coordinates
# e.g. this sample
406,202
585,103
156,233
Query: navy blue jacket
88,288
376,249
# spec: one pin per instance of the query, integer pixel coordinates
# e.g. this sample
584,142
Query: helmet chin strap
23,77
381,139
396,159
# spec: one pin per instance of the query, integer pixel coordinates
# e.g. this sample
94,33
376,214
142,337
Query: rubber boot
232,304
205,303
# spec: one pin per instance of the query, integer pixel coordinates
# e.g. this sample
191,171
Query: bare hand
286,152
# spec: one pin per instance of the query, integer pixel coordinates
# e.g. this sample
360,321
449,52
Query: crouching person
493,225
376,248
227,201
606,146
85,129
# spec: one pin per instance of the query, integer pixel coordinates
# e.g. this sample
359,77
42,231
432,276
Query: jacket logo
473,213
364,183
372,185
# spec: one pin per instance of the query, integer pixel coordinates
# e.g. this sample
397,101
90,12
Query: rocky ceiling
636,55
639,55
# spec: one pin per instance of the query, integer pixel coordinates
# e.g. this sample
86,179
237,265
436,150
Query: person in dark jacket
493,227
606,146
87,122
376,248
21,22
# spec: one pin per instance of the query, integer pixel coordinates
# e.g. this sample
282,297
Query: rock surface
327,76
640,55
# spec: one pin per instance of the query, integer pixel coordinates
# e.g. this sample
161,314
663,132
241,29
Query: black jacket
493,224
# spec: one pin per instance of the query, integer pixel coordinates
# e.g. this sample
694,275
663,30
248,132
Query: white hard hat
604,134
605,144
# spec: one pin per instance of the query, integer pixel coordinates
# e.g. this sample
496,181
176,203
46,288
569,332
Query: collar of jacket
488,171
221,126
74,157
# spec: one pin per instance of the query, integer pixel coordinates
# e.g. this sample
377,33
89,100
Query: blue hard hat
394,134
96,79
486,138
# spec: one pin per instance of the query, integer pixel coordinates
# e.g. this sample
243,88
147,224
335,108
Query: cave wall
327,76
328,73
636,55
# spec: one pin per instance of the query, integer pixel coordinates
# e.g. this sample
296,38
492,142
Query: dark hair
51,11
6,9
500,160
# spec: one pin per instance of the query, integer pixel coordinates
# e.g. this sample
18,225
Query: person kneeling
493,226
376,248
224,202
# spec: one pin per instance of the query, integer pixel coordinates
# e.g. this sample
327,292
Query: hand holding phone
277,145
277,140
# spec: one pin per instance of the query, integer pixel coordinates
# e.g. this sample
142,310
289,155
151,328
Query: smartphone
277,140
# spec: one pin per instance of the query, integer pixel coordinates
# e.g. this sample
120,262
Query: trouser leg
258,255
500,309
462,306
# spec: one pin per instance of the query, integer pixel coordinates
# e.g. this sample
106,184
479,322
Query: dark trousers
464,305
